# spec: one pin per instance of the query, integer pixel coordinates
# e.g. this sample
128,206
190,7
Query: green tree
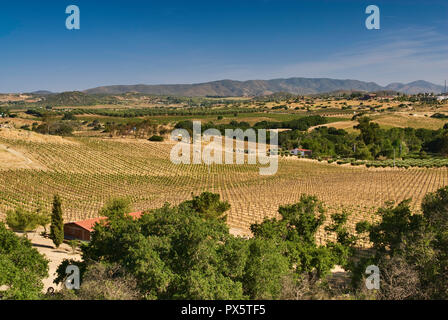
57,222
174,252
5,112
22,268
265,269
295,234
415,242
68,116
440,144
102,282
209,206
74,244
22,220
187,252
43,219
370,131
435,212
362,152
117,207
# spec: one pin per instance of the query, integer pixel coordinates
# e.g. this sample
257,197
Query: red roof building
81,230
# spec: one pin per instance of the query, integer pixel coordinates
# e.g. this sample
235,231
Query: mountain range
264,87
232,88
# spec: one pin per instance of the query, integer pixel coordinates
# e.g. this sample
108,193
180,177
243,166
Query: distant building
81,230
368,96
441,98
301,152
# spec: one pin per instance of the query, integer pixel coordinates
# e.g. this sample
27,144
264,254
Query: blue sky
159,42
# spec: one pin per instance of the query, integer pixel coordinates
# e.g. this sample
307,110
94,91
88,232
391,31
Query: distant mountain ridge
415,87
264,87
42,92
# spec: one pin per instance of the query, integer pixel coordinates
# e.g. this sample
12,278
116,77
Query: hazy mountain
244,88
266,87
42,92
419,86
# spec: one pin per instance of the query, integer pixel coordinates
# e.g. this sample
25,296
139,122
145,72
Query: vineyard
86,172
390,163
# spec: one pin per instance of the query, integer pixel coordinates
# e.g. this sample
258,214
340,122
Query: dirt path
55,256
13,159
17,154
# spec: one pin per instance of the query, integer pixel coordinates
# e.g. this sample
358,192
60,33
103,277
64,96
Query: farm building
301,152
81,230
368,96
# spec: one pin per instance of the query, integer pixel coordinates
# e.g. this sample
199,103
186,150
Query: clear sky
190,41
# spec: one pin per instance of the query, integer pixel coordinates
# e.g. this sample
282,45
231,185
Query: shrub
104,282
21,220
156,138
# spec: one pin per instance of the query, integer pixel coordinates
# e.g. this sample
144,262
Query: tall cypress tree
57,222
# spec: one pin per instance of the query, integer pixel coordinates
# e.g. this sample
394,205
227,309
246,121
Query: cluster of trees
186,252
4,112
411,250
371,143
59,128
21,220
22,268
52,125
300,124
165,111
139,129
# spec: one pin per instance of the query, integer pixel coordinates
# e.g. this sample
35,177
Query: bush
68,116
60,128
21,220
104,282
156,138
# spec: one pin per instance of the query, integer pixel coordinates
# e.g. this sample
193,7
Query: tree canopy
187,252
22,268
